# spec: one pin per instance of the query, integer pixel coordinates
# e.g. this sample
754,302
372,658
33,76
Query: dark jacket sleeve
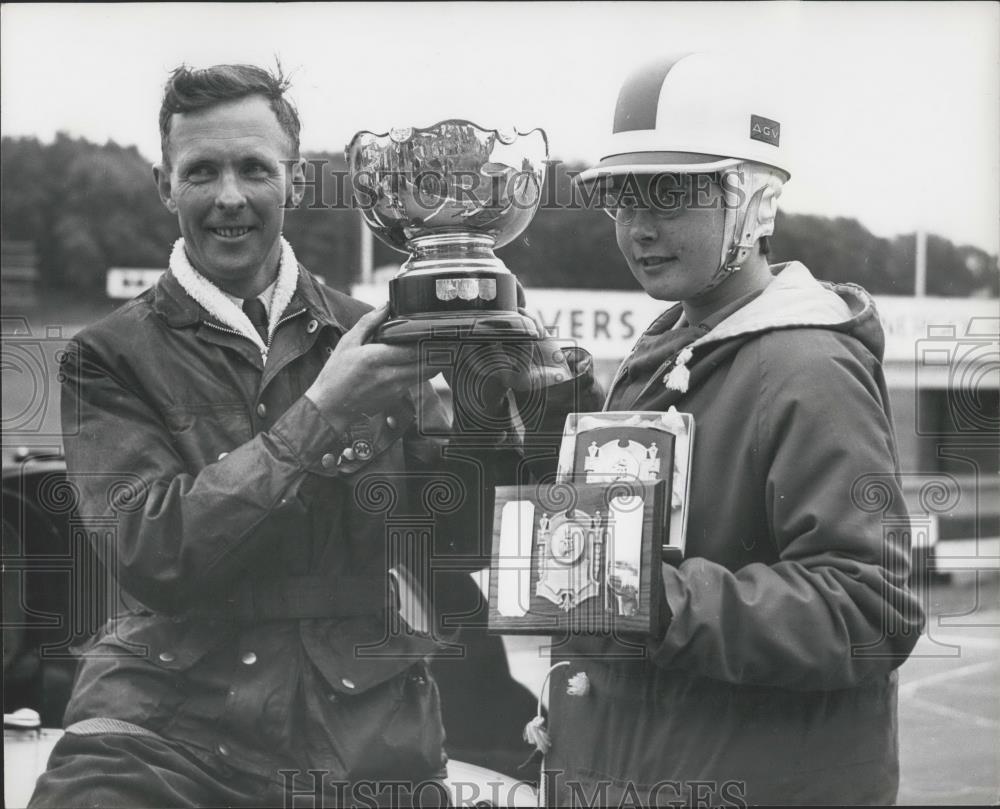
835,609
496,437
542,412
175,536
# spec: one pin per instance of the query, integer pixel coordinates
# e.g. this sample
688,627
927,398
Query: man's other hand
542,367
361,377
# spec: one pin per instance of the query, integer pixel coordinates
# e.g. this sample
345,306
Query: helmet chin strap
745,224
722,274
745,234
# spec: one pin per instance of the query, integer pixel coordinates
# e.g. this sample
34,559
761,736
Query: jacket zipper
267,347
619,375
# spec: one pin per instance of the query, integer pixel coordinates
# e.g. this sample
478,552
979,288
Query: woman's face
670,230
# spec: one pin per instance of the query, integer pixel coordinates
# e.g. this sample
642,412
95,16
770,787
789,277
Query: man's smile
231,232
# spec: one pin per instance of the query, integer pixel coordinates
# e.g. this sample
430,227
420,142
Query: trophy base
450,306
500,326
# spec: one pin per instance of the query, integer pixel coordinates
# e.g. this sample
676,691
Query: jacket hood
795,299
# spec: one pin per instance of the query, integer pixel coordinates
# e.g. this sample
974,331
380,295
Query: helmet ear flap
758,192
767,211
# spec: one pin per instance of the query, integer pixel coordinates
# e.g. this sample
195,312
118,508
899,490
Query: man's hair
190,90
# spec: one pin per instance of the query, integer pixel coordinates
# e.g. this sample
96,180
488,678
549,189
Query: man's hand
484,371
363,378
544,366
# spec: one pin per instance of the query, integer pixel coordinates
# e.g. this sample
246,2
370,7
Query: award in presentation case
589,449
583,554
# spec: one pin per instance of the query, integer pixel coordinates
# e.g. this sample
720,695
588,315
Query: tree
86,207
89,207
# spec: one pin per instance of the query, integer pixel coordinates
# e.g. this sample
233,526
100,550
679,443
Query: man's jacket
259,624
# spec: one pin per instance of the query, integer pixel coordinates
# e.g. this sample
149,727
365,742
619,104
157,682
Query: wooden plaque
578,557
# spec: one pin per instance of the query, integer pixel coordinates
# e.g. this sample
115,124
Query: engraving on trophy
467,289
446,290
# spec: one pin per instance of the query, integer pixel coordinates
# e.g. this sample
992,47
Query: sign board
910,322
124,283
607,323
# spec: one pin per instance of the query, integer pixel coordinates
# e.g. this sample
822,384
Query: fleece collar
217,304
794,298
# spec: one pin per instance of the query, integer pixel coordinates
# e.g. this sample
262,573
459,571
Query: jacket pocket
168,643
392,730
204,433
355,655
415,735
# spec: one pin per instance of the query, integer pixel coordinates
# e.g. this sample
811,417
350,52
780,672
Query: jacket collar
794,298
222,307
325,308
180,310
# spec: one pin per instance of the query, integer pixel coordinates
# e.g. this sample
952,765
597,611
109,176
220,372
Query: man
255,474
774,679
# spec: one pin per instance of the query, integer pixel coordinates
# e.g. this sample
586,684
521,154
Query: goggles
664,196
624,212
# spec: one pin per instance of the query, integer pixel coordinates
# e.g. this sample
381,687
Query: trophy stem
457,250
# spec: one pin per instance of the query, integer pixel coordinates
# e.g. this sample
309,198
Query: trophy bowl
448,195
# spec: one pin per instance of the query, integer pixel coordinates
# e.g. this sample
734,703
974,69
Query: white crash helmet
701,113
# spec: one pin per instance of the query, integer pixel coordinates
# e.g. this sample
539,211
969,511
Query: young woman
774,679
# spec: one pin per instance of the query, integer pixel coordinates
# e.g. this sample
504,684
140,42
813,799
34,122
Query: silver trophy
448,195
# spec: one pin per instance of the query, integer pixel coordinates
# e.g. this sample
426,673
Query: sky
893,109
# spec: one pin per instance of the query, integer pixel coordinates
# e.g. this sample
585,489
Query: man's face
228,183
672,239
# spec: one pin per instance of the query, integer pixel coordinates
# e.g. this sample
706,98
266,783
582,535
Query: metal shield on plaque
569,551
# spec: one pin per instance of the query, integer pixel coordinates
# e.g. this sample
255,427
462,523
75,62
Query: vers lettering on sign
589,324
